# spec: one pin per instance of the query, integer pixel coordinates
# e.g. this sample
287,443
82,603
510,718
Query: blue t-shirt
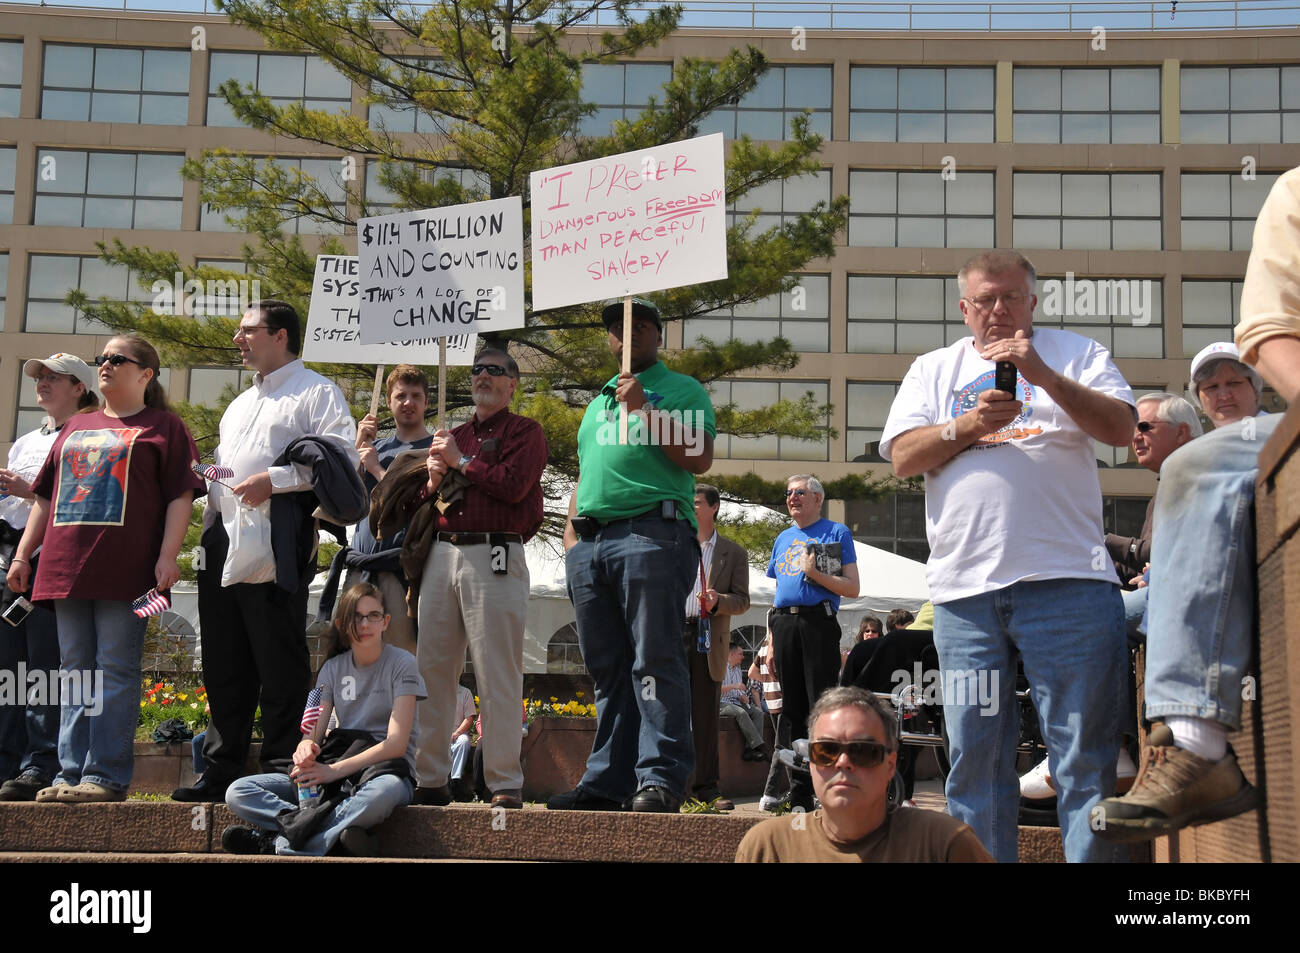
792,587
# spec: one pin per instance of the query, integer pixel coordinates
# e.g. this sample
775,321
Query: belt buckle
794,610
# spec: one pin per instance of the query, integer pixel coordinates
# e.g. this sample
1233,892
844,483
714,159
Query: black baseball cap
641,308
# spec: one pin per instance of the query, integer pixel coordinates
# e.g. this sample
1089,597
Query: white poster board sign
441,271
631,223
334,325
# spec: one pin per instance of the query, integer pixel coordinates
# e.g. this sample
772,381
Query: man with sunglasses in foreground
485,481
1017,560
852,752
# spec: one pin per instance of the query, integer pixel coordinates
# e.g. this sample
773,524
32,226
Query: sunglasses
117,360
862,754
790,493
1146,426
493,370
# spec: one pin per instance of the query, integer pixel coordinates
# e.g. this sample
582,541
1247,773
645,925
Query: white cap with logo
61,363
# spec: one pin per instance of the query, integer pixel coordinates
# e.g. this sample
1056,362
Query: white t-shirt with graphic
1023,503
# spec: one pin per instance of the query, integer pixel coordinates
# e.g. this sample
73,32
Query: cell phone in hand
17,611
1004,377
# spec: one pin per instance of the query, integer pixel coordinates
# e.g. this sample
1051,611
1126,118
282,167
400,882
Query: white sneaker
1036,783
768,803
909,803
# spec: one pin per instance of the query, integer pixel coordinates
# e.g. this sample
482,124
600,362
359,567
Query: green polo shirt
623,480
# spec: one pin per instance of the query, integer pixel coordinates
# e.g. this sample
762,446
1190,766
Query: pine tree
500,83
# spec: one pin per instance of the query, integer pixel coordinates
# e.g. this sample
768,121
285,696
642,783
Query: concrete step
164,829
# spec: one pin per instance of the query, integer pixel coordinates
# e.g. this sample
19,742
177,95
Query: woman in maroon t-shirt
112,503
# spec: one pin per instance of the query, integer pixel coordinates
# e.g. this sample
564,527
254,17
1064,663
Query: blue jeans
1070,636
460,749
259,799
629,586
1201,610
29,732
100,642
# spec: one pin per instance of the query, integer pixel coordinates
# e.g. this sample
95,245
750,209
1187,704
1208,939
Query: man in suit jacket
721,590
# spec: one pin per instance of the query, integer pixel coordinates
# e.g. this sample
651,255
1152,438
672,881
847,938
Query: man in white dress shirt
254,633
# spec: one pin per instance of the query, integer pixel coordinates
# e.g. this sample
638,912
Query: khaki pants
463,603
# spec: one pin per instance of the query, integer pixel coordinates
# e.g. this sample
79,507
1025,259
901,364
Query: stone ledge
462,832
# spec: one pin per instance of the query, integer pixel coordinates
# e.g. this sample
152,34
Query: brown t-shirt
909,836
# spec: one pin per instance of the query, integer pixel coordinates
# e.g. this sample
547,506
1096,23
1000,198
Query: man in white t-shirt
1017,555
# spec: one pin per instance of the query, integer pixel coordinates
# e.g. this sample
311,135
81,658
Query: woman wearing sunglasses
372,686
65,386
112,502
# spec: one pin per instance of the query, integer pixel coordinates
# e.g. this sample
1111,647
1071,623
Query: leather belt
480,539
795,610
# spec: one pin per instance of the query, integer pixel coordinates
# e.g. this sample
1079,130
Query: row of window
887,314
886,104
887,208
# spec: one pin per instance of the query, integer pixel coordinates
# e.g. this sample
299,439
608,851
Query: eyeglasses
244,330
862,754
492,370
52,377
1146,426
790,493
361,618
117,360
989,302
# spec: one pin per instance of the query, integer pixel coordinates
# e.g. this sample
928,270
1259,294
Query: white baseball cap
1219,350
61,363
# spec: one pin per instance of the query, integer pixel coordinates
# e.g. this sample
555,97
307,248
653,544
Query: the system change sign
628,224
441,271
334,325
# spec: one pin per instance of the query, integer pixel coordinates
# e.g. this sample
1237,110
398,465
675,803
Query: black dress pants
807,651
254,649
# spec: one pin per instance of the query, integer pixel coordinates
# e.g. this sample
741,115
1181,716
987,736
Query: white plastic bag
250,557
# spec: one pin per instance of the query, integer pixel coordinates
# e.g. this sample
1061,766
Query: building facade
1129,171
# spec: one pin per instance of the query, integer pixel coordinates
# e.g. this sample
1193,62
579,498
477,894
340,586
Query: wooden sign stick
378,391
627,364
442,383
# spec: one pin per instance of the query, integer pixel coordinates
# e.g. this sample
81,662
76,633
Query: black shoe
656,800
243,839
461,791
205,789
580,800
437,797
359,842
23,787
758,753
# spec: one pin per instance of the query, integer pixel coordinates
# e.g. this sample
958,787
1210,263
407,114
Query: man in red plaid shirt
486,475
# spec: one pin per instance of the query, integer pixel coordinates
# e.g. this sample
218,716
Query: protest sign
628,224
442,271
334,325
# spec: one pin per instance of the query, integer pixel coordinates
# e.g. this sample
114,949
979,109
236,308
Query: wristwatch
463,462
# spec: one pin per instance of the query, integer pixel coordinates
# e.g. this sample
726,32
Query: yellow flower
554,699
182,696
582,694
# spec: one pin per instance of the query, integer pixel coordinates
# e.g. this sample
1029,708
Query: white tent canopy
888,582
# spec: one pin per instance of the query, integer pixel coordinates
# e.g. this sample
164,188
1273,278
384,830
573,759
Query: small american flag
311,714
212,472
151,603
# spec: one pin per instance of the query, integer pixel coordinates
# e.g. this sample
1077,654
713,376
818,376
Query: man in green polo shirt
631,556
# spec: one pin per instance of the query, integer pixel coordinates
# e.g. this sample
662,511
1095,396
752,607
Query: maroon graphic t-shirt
109,482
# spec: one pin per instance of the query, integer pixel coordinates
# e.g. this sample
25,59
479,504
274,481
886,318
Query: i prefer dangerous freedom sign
334,324
628,224
442,271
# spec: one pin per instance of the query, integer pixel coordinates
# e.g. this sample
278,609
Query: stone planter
554,755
